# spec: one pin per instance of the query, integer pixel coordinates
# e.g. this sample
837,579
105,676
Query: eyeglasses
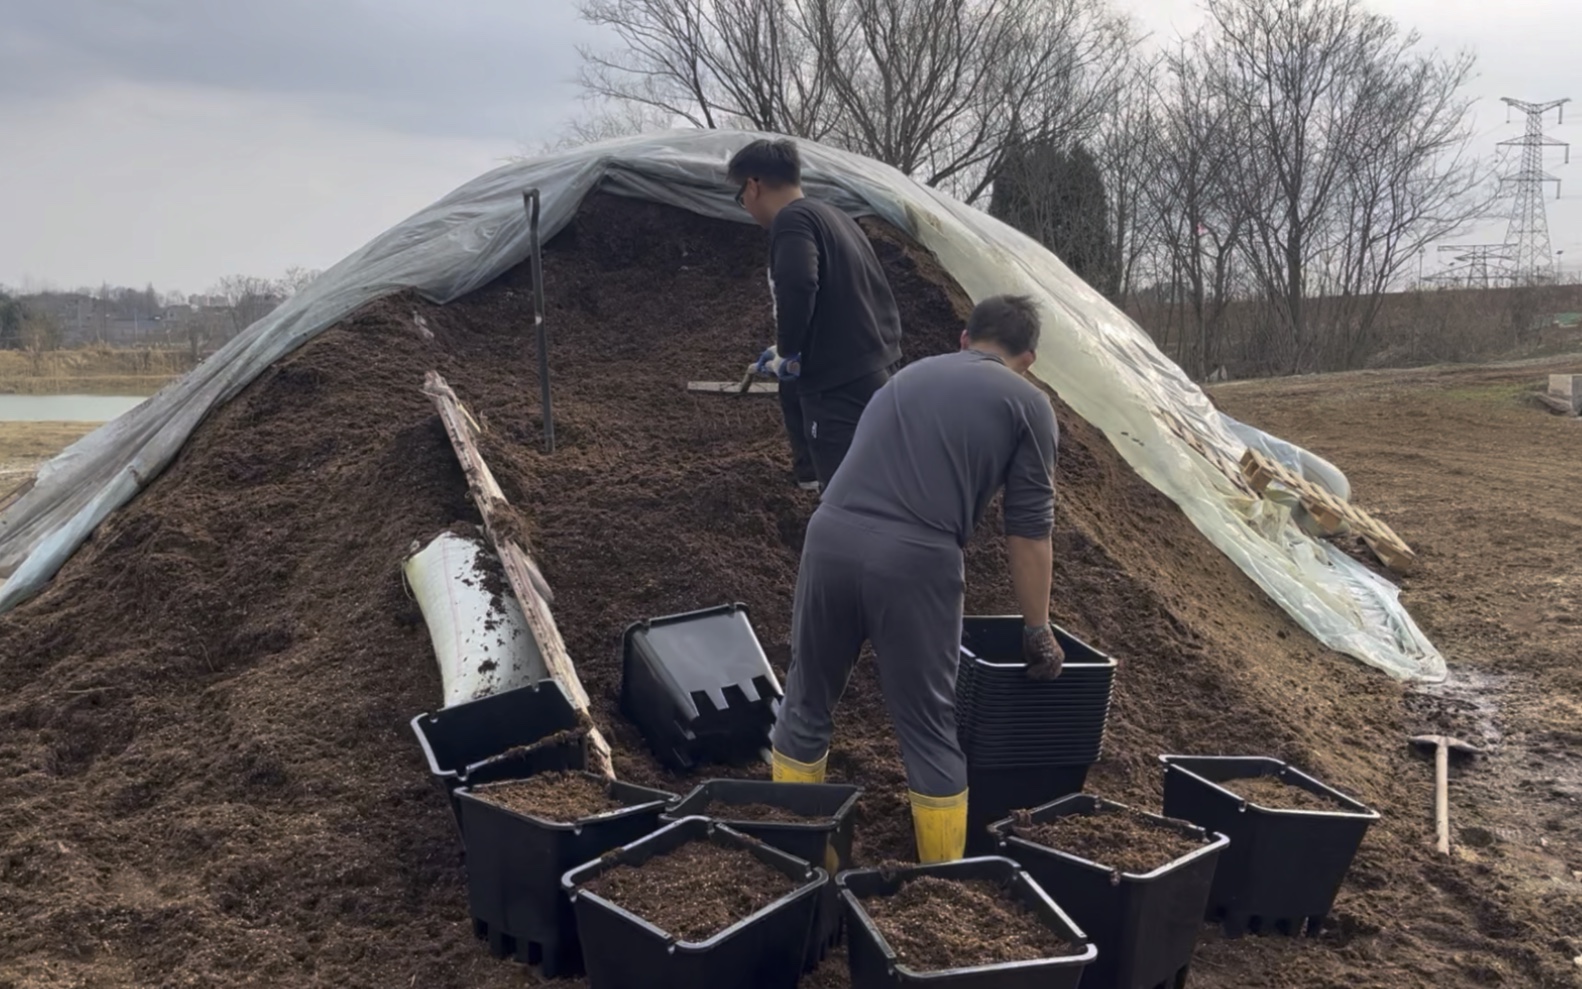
741,193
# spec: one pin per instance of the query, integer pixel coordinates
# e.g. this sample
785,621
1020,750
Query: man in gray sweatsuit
882,561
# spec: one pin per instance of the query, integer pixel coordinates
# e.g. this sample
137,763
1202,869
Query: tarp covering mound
1098,360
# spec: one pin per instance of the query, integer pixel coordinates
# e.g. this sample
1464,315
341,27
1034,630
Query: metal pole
530,201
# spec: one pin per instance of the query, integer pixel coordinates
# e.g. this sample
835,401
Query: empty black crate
467,735
826,842
624,951
874,965
1144,925
515,862
1283,868
699,687
1005,715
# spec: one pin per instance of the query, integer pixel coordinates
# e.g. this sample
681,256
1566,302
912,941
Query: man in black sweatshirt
838,334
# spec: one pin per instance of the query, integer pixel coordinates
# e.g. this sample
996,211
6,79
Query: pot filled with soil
1136,883
695,904
980,923
522,835
1026,741
509,735
699,687
1292,838
812,821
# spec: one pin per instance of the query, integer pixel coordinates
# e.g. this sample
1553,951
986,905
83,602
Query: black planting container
1027,741
515,862
826,843
1144,925
699,687
1001,712
994,792
464,739
874,965
624,951
1283,867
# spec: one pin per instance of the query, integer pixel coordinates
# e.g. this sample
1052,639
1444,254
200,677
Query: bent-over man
882,560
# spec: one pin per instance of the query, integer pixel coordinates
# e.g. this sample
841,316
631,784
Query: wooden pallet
1333,515
1216,459
502,526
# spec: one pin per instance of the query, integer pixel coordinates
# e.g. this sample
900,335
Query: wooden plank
503,526
734,387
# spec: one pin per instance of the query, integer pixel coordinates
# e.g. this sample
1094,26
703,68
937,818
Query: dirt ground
24,445
1481,482
209,778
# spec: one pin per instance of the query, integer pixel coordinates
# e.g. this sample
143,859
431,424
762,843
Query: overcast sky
176,141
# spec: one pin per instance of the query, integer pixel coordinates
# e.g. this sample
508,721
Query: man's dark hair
1011,321
774,163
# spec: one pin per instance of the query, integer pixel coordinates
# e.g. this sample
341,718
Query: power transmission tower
1478,265
1528,234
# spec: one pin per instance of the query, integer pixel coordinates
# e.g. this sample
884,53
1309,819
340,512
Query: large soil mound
208,778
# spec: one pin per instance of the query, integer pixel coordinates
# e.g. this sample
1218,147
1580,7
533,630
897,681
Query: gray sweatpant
899,587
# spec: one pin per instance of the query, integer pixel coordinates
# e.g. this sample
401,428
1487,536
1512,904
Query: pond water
65,408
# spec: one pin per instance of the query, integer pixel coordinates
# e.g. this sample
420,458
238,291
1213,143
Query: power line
1532,259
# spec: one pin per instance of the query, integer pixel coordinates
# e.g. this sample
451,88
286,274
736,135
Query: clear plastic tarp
1096,358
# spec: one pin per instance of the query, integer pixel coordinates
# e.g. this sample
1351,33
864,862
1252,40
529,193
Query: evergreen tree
1057,197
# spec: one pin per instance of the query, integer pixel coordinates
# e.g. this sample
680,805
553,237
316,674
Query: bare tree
937,88
295,280
1126,149
1200,220
247,299
1350,152
712,63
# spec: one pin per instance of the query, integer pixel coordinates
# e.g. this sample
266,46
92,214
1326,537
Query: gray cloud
468,68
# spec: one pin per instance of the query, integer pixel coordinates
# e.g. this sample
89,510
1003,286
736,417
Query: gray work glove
1042,652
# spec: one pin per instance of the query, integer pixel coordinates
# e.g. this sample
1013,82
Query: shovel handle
1442,795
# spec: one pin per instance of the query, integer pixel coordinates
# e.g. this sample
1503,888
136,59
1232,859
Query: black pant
820,424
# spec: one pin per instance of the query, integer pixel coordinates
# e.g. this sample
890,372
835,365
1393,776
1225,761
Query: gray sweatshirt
941,438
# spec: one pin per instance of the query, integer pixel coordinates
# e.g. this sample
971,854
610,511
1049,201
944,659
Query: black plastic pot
461,742
699,687
624,951
1283,867
873,962
515,862
1144,925
826,842
995,792
1027,741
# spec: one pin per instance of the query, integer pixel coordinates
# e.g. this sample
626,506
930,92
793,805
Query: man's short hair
1011,321
774,163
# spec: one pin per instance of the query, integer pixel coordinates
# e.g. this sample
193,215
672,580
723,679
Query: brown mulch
1275,792
933,923
767,813
210,778
696,891
1124,840
552,796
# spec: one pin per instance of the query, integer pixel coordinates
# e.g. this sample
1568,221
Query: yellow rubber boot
788,770
940,824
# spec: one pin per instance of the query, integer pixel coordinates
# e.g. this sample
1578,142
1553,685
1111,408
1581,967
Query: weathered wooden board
503,527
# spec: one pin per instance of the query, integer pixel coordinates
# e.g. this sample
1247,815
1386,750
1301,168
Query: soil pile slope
208,774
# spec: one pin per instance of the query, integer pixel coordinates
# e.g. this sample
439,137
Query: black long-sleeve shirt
936,443
832,303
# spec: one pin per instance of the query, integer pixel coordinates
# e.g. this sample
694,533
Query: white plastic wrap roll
480,637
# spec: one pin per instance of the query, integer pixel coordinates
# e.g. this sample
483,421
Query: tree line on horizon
1252,192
